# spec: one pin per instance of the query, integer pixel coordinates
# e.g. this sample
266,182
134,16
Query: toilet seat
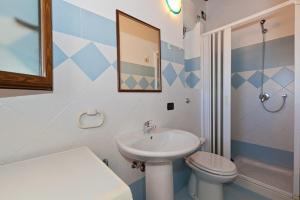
212,163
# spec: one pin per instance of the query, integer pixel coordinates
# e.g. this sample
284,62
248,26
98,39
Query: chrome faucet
148,126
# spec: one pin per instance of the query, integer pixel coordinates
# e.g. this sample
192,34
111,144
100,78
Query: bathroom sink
157,150
159,145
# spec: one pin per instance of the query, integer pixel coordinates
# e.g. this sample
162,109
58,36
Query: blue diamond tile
152,84
237,80
192,80
131,82
58,56
170,74
182,76
115,64
91,61
284,77
255,79
143,83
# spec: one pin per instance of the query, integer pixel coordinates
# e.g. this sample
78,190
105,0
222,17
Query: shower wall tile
237,80
251,124
263,154
257,79
283,76
291,87
279,52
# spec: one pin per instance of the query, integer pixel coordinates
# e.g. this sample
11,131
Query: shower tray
271,180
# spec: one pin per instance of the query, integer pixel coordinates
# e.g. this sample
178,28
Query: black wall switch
170,106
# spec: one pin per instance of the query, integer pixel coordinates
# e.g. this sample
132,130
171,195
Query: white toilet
209,173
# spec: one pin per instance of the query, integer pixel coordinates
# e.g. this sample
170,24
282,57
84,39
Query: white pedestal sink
158,149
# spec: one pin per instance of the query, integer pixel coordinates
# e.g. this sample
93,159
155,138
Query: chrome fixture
264,96
184,31
138,165
203,15
187,100
106,162
262,24
148,126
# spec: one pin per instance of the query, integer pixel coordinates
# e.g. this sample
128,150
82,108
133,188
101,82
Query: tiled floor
231,192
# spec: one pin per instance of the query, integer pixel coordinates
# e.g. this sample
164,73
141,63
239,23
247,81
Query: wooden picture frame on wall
11,80
159,79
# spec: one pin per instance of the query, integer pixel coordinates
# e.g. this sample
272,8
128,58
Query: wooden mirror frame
11,80
118,13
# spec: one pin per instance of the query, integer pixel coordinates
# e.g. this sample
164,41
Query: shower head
262,24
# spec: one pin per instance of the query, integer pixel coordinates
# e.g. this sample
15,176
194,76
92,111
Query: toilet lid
213,163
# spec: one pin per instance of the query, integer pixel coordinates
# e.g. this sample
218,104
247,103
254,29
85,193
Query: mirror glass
20,37
139,62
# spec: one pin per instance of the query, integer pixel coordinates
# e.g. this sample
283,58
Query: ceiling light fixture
174,6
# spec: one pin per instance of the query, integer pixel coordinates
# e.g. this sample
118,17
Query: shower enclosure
250,74
263,101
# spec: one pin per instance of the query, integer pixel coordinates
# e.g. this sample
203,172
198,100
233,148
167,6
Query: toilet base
205,182
209,191
200,189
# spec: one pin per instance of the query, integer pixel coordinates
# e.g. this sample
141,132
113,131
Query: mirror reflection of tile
140,59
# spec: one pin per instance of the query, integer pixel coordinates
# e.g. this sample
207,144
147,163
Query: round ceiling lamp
174,6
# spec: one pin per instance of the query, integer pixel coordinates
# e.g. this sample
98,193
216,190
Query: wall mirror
139,55
25,44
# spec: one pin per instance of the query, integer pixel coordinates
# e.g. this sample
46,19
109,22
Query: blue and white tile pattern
283,77
90,39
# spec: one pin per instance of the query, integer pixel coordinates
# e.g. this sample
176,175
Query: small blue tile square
131,82
192,80
237,80
170,74
256,79
143,83
115,65
284,77
91,61
58,56
153,84
182,77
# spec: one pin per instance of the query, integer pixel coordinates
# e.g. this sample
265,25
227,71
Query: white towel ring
94,113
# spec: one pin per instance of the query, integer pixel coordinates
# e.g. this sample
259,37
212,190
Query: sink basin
158,149
158,146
